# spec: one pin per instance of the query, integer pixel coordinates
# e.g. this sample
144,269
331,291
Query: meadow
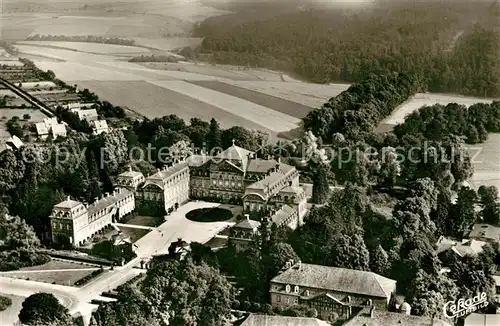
422,99
486,160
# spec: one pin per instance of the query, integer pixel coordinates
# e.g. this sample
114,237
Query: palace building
266,187
73,222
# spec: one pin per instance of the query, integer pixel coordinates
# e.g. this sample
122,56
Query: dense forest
452,44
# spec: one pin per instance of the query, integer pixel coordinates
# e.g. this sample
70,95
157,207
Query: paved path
133,226
155,242
49,270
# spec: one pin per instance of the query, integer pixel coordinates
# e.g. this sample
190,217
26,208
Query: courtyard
178,226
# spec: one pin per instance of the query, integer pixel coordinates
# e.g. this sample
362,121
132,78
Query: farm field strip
155,74
312,95
222,72
72,71
422,99
263,116
272,102
154,101
89,47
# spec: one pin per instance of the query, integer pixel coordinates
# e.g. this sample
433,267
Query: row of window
287,300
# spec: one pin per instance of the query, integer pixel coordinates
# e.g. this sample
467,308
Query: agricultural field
486,160
154,101
308,94
38,85
95,48
422,99
263,116
275,103
220,71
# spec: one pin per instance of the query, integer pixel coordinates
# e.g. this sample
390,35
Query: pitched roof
50,121
247,224
337,279
470,247
88,114
99,124
130,173
197,160
235,153
15,141
108,201
159,177
58,129
282,214
41,128
258,165
68,203
385,318
267,320
482,320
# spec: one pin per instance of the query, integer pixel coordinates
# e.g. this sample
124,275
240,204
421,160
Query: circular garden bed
209,215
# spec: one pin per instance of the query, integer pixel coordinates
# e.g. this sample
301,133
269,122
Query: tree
488,198
350,252
428,293
379,261
188,294
214,135
11,171
463,211
321,187
44,309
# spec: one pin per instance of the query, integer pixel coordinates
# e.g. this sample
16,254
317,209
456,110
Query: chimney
68,198
247,216
158,170
130,168
96,199
299,265
372,311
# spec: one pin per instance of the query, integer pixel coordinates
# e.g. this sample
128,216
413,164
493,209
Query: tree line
438,41
359,109
81,38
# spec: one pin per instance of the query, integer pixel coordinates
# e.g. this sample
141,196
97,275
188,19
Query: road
27,97
155,242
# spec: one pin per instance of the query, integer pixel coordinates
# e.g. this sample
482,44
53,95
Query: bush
209,215
235,305
245,305
255,307
5,303
267,309
87,278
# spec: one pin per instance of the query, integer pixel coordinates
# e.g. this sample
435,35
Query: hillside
453,45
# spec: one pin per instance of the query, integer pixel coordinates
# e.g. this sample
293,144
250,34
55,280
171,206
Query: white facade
75,223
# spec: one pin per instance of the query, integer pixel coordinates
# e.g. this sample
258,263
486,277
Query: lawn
63,278
60,264
144,220
9,316
211,214
133,233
